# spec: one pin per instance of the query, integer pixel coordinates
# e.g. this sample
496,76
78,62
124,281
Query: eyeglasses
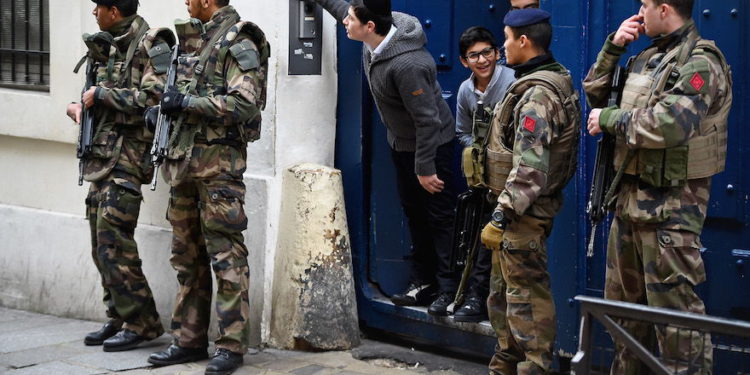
487,53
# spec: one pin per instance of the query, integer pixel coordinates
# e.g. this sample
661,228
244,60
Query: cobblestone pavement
35,344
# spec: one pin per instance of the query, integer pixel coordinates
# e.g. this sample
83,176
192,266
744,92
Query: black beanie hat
378,7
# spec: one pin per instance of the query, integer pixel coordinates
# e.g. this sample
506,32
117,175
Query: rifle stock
160,147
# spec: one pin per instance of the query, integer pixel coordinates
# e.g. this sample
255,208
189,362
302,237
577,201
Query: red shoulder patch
529,124
697,81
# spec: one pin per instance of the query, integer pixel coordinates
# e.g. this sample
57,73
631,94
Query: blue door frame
580,28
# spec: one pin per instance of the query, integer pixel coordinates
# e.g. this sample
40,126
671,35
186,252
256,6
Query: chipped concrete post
313,302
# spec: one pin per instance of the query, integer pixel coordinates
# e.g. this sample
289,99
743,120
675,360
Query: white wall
45,263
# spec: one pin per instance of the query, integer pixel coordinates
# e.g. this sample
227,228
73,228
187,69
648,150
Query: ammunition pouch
473,157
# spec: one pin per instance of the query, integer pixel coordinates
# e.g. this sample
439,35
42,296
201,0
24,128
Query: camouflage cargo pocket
679,257
223,210
644,204
121,205
104,141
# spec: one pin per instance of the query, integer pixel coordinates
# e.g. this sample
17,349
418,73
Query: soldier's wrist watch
499,220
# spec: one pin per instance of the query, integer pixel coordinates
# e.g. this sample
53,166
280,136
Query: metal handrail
605,310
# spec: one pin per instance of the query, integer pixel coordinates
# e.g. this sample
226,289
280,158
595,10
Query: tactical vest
197,75
705,153
115,69
499,158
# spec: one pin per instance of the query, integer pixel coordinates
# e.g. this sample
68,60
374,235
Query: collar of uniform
219,17
126,35
541,62
124,27
667,42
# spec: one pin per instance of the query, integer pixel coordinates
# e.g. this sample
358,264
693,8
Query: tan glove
492,237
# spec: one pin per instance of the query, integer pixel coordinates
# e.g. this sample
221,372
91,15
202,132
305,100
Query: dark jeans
430,218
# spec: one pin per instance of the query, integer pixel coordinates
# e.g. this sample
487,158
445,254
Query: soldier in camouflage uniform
130,77
221,90
531,156
671,131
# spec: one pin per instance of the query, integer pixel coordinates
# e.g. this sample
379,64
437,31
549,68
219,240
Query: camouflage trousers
112,208
208,218
659,267
520,304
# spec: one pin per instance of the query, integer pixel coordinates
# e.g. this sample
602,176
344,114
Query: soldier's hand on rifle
431,183
151,116
629,31
74,112
171,102
593,122
89,97
492,236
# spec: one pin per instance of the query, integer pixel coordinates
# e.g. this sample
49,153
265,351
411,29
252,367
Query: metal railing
729,339
24,44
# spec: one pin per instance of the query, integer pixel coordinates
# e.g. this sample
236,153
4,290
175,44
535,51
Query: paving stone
286,365
14,341
118,361
309,370
56,368
330,359
30,357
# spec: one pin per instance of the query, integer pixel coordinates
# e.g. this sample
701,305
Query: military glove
151,116
492,236
171,102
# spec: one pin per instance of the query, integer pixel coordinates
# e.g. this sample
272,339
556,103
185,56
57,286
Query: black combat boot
224,362
415,295
473,310
439,307
176,354
108,330
123,340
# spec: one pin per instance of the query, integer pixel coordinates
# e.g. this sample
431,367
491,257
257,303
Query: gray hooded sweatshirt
403,82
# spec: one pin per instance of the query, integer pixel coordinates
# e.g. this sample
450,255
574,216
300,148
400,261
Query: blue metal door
378,229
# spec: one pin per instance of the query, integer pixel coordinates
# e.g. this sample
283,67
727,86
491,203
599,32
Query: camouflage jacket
545,145
123,94
225,96
671,118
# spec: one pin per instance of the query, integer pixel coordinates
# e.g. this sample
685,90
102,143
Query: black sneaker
439,307
224,362
474,310
415,295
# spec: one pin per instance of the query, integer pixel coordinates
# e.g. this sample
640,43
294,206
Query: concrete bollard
313,302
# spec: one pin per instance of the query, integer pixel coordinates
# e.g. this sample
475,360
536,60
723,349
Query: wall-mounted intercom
305,37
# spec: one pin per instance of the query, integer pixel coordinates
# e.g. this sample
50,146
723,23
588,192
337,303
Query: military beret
378,7
526,17
114,3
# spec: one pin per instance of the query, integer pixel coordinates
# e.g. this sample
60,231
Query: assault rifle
160,147
86,127
602,187
470,218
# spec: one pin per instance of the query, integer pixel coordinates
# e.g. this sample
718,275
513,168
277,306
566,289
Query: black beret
378,7
114,3
526,17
